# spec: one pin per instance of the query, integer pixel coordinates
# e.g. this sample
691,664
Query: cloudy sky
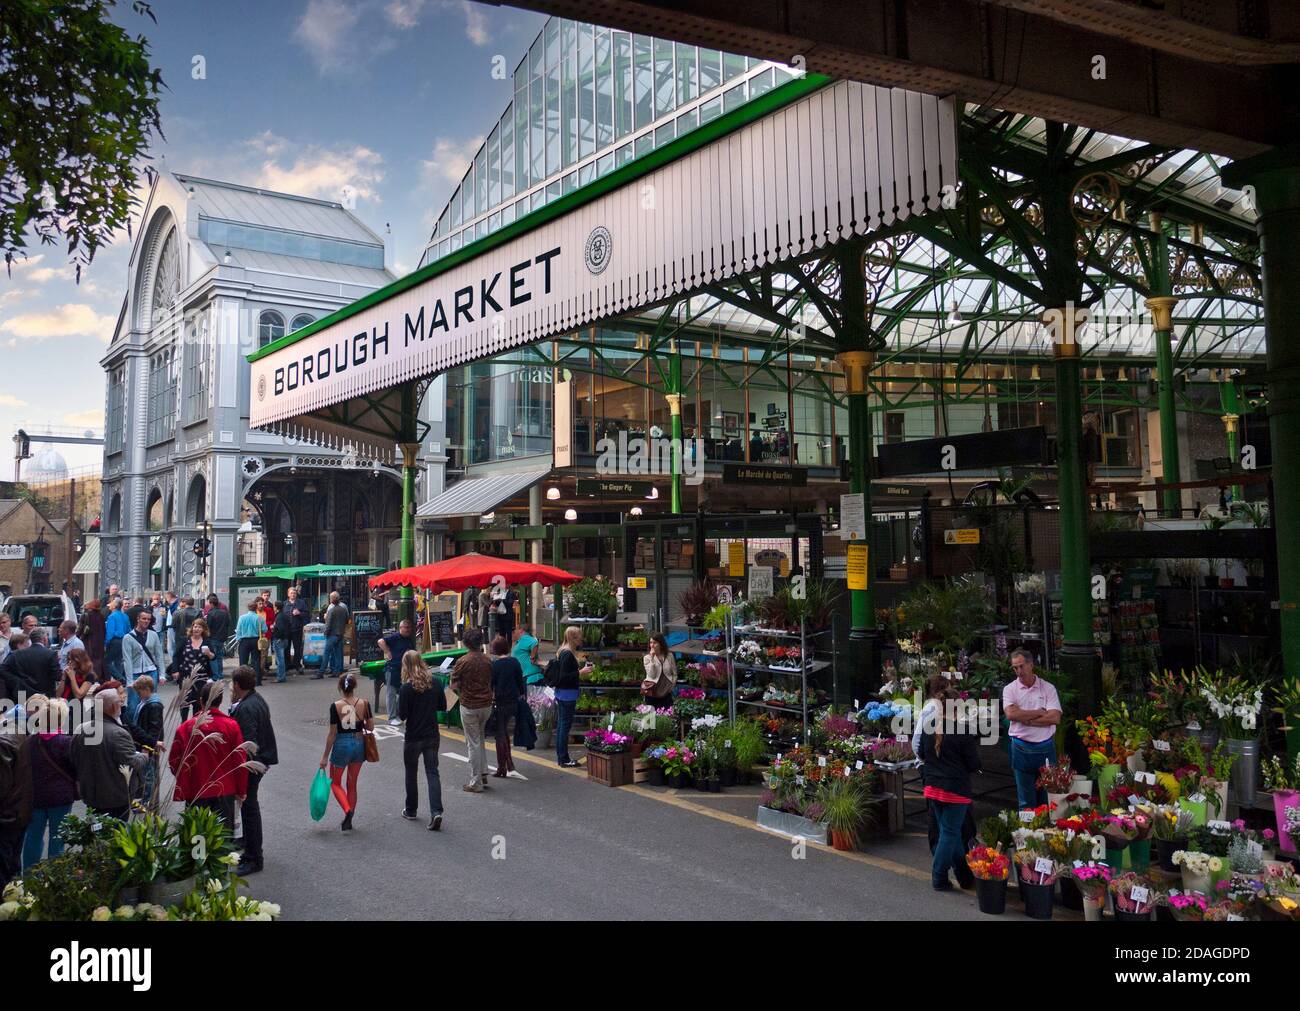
307,96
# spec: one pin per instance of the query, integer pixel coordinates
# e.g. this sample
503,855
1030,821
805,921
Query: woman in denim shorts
344,746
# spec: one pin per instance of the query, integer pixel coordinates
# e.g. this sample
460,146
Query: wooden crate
609,770
640,770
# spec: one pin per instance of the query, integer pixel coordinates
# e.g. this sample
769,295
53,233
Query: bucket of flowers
991,868
878,717
1107,754
1170,824
1056,780
1133,896
678,764
1039,861
749,654
1199,870
1093,880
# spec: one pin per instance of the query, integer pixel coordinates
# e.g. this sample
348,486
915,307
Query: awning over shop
474,496
294,572
88,563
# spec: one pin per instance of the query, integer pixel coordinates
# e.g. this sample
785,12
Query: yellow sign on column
857,566
736,558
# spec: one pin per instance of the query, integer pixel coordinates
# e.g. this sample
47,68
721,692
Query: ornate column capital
1161,308
674,403
856,365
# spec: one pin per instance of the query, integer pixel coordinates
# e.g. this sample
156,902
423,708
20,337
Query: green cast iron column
1161,308
1275,176
1078,654
863,601
674,398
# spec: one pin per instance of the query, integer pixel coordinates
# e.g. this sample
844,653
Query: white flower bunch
705,722
1033,583
1198,863
749,652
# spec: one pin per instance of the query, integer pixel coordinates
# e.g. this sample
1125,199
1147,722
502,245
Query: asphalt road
553,846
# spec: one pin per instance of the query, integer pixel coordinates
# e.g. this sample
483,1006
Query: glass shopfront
499,411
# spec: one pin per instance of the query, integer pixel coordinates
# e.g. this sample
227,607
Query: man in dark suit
299,614
253,715
33,668
218,631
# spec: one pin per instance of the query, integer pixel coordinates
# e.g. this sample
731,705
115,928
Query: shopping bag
319,797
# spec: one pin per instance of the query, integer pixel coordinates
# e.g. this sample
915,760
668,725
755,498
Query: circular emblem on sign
261,387
600,247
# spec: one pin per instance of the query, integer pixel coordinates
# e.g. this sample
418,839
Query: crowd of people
109,667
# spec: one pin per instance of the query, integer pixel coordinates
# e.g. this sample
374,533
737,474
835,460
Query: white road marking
465,758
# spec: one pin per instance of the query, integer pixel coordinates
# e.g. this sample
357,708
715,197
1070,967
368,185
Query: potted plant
146,850
1119,831
1282,780
592,598
1186,907
991,868
1056,780
678,763
1107,754
844,809
697,600
1133,896
1093,881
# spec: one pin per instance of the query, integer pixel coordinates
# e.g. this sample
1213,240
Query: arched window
115,514
300,321
166,278
270,327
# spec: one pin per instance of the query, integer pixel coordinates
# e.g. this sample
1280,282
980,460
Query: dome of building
46,465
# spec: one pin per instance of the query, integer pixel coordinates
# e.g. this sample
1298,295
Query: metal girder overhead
1218,76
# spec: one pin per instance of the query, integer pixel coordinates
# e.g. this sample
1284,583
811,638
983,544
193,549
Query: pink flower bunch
1187,901
691,693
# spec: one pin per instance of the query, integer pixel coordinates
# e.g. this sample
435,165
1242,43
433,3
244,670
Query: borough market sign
841,160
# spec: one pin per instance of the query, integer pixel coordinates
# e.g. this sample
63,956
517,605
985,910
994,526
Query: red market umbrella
474,569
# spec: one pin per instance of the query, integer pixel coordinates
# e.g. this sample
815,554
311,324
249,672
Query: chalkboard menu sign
442,627
367,627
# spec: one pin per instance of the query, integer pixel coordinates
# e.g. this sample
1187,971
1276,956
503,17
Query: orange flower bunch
1104,748
988,864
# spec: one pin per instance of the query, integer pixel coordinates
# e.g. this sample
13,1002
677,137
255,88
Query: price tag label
1221,826
1233,917
1043,865
611,721
821,761
1078,864
1134,800
858,764
901,739
798,781
855,704
1145,777
726,744
847,772
1139,894
778,756
1026,816
1161,745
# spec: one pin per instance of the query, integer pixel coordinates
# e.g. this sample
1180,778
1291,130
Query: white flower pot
1136,763
1057,799
1092,909
1197,883
1081,784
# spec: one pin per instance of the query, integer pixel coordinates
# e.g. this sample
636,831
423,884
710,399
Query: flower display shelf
610,770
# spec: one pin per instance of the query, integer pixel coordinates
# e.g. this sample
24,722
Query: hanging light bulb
1101,376
635,511
654,493
552,493
571,514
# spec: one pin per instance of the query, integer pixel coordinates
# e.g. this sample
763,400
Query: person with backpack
562,674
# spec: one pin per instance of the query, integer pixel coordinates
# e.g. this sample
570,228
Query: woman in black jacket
949,759
507,687
564,674
419,701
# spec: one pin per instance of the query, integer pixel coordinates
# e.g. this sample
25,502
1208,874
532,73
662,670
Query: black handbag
490,727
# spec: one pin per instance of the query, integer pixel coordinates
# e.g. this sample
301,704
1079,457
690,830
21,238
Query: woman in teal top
525,651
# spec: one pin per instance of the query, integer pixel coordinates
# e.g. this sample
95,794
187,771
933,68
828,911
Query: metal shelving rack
814,667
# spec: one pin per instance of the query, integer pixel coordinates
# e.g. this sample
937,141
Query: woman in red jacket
208,758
